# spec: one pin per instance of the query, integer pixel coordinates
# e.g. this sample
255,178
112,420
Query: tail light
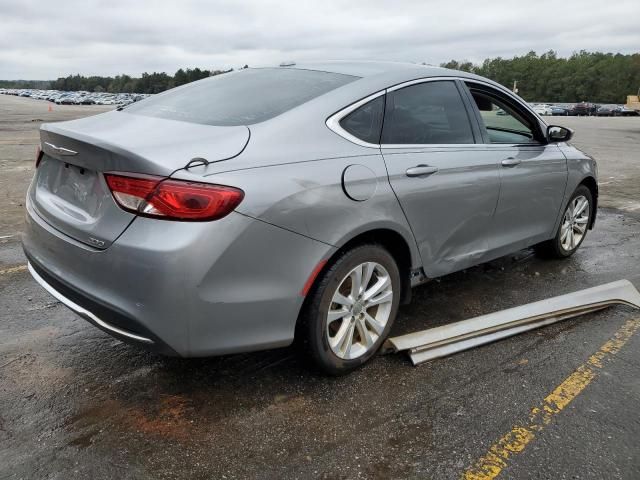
156,197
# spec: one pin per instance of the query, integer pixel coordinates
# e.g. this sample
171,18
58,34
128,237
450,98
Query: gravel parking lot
76,403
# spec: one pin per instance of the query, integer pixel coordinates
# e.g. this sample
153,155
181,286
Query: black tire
553,248
312,328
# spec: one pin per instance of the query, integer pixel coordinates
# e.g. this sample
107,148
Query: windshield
244,97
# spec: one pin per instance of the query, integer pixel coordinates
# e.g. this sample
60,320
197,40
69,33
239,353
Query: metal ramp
456,337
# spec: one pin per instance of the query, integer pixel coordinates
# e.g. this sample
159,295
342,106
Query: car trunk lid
69,190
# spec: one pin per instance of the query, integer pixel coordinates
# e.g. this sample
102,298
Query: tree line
39,84
584,76
155,82
591,76
147,83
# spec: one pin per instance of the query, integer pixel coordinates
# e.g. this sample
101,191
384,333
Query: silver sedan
249,209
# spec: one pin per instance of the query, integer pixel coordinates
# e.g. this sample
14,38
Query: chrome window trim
436,146
509,93
333,122
420,80
83,312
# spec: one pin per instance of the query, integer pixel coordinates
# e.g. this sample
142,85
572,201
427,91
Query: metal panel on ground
456,337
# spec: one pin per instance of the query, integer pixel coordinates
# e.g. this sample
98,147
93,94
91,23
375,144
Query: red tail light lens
173,199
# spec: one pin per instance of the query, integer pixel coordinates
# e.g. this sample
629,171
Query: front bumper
181,288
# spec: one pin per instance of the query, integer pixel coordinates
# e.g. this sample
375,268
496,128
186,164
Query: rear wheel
351,309
573,226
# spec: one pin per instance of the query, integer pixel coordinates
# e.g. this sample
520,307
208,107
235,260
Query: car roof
363,68
373,77
393,71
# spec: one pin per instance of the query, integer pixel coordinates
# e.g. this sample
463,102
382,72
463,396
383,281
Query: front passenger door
533,173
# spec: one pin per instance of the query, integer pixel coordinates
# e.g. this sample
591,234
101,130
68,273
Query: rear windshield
240,98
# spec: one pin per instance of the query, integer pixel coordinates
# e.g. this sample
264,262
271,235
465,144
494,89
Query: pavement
615,143
559,402
20,119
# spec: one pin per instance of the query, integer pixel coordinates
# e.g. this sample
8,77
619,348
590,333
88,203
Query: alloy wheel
359,310
574,223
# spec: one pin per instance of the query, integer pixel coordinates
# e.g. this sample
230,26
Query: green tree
592,76
180,78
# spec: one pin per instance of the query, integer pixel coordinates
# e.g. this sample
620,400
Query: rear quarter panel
291,172
309,198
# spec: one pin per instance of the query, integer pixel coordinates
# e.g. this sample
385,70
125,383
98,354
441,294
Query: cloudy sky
48,39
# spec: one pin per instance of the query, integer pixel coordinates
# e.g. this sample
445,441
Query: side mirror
559,134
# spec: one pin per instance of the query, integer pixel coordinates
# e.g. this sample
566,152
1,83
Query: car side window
502,122
365,122
426,113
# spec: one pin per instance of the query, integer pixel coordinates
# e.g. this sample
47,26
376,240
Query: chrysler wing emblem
60,150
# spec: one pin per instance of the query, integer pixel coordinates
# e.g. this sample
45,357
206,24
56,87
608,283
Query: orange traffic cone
50,109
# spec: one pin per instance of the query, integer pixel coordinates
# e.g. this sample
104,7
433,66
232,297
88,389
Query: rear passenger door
446,182
533,173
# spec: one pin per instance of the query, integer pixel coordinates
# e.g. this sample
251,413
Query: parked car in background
606,110
624,111
543,109
557,110
67,99
241,211
585,109
84,99
77,98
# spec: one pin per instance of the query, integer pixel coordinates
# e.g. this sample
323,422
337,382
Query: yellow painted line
19,268
497,458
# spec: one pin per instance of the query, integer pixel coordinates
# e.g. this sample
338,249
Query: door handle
421,170
511,162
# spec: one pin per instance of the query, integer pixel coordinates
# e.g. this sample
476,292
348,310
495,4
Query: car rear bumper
181,288
111,321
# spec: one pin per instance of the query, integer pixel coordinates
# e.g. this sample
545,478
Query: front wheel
573,226
351,309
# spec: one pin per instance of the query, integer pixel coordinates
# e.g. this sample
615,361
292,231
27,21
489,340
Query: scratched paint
497,458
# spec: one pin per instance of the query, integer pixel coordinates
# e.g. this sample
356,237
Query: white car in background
543,109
